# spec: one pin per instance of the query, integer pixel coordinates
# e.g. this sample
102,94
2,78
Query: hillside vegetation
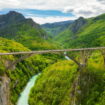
20,73
53,85
62,84
25,31
54,29
84,33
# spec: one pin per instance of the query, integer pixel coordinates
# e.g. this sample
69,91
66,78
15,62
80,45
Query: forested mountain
10,23
61,81
15,26
61,84
84,33
54,29
29,36
18,75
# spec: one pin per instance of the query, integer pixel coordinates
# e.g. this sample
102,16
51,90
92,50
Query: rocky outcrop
4,90
78,24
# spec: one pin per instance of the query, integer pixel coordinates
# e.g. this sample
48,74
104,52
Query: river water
23,99
66,57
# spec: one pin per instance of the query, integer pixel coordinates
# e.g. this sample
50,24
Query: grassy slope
31,37
34,39
92,34
54,29
64,38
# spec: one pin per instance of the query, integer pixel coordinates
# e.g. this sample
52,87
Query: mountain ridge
90,33
57,27
24,31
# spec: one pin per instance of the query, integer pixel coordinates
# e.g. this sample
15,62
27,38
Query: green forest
61,81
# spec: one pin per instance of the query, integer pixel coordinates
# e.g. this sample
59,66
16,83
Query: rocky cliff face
4,90
78,24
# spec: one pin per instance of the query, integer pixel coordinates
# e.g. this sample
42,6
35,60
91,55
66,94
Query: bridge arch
83,52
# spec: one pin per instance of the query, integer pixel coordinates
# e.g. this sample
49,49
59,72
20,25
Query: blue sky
49,11
42,15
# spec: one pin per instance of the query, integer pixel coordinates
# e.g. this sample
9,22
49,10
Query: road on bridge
52,51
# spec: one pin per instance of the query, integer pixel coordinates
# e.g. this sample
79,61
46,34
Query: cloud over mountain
85,8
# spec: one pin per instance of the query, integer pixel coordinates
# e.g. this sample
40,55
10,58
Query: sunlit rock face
4,91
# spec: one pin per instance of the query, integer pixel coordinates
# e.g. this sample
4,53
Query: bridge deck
52,51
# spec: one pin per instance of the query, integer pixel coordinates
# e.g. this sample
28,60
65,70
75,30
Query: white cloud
9,3
42,20
85,8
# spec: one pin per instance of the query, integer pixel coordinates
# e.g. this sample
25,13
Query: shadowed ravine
23,99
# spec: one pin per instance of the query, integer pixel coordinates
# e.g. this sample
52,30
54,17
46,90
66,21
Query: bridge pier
85,56
82,63
82,60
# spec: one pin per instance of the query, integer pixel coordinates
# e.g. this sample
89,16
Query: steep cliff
4,90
